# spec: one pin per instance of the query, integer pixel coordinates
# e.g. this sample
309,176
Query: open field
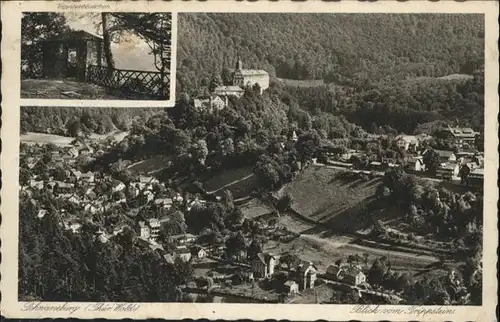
255,208
447,78
59,140
44,138
325,250
326,207
151,165
307,83
302,83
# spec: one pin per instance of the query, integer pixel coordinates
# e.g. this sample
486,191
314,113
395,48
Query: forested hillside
401,106
349,49
98,120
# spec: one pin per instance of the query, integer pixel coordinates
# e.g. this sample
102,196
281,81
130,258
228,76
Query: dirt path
232,183
331,247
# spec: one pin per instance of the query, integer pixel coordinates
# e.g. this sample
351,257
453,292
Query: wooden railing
131,81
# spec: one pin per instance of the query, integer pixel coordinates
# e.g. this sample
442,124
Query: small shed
69,54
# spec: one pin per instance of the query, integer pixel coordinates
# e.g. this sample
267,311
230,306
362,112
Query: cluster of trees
37,26
318,46
75,120
406,105
56,265
198,139
436,210
460,286
437,290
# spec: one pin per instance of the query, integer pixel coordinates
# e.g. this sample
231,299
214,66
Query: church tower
239,63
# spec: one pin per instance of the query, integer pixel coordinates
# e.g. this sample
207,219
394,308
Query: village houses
306,274
263,265
447,171
460,137
407,142
349,274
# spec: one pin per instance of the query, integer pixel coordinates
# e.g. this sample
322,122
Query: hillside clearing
44,138
255,208
151,165
330,196
241,182
59,140
302,83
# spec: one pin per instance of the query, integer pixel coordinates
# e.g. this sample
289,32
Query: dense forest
63,120
403,106
346,49
58,265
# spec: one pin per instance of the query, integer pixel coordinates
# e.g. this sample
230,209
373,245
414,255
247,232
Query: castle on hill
242,78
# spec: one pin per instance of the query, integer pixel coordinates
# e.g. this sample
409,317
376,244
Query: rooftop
478,172
253,72
462,131
444,153
265,257
407,138
75,34
228,89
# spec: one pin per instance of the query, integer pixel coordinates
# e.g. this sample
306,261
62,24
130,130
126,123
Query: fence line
128,80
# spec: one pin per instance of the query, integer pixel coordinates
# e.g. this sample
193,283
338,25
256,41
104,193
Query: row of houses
303,274
460,137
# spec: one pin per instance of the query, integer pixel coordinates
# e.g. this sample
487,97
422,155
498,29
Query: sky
131,53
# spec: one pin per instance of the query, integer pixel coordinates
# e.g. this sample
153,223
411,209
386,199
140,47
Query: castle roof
252,72
228,89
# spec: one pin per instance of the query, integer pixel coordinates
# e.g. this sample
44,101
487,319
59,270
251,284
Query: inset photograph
96,56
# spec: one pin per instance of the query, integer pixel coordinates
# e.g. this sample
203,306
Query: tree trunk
107,41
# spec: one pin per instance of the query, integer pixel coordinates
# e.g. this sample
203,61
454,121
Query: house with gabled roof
306,274
291,287
460,136
183,253
407,142
446,156
350,274
447,170
263,265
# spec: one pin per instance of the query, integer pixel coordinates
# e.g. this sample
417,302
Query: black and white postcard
331,162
